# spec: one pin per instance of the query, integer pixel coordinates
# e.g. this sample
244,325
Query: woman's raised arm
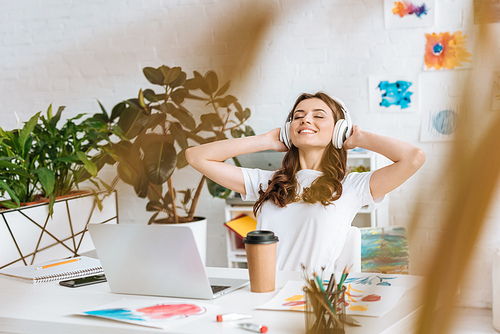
209,158
407,159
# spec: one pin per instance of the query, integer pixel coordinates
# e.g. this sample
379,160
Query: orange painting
446,51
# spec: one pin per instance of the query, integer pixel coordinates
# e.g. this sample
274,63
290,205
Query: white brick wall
69,52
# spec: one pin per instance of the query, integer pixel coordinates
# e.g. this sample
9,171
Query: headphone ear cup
285,134
339,133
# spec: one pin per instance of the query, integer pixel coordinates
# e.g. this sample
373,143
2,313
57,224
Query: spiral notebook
56,270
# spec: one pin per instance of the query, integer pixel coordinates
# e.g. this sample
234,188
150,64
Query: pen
58,263
232,317
254,327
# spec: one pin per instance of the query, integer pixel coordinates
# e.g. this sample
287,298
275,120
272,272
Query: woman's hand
354,139
273,138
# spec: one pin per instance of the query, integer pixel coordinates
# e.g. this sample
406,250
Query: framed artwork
409,13
393,94
441,95
447,51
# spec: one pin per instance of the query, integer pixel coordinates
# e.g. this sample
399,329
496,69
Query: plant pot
29,235
199,228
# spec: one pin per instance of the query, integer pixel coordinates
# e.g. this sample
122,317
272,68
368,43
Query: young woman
310,202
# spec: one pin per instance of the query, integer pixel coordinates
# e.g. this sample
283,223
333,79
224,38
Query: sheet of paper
162,313
367,294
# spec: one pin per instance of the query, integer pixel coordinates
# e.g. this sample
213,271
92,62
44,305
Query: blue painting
396,94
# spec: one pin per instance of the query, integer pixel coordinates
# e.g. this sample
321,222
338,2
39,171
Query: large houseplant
159,126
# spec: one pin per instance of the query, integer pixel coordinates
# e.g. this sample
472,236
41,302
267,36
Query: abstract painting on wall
439,125
409,13
441,97
397,94
495,92
384,250
447,51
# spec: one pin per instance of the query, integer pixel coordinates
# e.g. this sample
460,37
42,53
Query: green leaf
179,80
230,99
181,114
153,218
179,135
159,159
104,112
27,130
236,132
47,179
87,164
212,82
9,191
117,110
201,82
150,95
187,196
223,89
179,95
155,76
212,118
132,121
155,192
141,185
154,206
216,190
9,204
126,174
249,131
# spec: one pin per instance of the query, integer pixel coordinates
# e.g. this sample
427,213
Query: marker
254,327
58,263
232,317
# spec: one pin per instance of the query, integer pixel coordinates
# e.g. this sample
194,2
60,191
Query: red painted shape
371,298
164,311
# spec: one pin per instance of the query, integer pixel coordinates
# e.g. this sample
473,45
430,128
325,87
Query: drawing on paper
295,302
409,13
154,312
393,94
439,125
384,250
404,8
446,51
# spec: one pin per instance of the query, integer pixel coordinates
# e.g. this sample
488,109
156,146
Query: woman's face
312,124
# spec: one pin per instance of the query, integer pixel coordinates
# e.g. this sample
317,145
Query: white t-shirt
309,234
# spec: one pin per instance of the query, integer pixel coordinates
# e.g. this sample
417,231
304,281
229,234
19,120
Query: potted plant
45,160
159,126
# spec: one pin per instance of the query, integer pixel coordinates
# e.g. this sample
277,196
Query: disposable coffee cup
260,247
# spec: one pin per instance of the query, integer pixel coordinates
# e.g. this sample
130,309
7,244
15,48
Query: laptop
156,260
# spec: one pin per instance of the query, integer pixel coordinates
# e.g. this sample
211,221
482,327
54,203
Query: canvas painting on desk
152,313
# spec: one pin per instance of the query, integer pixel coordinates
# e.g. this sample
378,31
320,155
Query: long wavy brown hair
325,189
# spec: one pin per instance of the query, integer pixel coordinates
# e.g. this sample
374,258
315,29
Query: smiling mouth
307,131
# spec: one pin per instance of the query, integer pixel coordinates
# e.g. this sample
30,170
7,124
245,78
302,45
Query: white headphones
341,132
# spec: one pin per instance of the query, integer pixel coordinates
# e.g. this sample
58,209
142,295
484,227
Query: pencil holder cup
325,312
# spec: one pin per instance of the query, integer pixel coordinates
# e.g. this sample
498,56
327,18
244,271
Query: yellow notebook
242,225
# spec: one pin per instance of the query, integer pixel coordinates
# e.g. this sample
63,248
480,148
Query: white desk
49,308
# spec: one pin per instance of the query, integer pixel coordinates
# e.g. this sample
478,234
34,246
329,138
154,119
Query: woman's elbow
190,156
417,158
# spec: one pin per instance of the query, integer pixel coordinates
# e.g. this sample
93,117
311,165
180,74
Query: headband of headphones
341,132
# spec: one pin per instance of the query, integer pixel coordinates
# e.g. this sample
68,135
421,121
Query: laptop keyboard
217,288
